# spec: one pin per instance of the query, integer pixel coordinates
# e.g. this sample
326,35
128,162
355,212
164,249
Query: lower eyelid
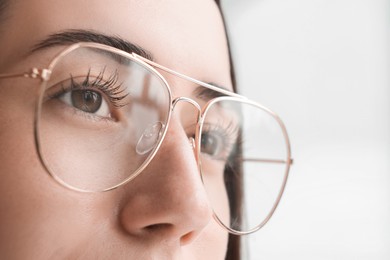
56,106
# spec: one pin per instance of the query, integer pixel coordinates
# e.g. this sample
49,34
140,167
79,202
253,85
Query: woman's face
164,213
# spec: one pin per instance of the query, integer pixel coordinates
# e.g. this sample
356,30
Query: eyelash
110,88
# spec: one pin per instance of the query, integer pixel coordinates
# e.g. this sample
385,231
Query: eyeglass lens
102,116
253,156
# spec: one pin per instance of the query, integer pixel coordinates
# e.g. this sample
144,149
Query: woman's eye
219,139
86,100
212,145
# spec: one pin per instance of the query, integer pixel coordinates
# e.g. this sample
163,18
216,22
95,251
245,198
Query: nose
168,199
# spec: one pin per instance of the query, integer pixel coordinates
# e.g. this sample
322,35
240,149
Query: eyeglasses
102,114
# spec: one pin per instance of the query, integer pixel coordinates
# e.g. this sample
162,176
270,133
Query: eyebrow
207,94
75,36
72,36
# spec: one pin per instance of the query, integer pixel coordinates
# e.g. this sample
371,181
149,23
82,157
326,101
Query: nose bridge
189,100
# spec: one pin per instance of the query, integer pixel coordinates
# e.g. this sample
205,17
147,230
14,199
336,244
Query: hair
233,170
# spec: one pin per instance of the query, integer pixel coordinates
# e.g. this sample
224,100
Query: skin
164,213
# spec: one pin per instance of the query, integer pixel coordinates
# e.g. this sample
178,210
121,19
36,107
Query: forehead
184,35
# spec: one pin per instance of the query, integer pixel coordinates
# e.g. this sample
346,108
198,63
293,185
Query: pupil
86,100
208,144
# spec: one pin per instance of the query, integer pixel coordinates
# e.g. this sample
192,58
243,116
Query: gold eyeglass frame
44,75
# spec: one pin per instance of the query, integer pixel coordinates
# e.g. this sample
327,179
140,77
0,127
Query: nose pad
149,138
153,132
192,142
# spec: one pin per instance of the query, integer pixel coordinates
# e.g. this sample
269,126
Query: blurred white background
323,66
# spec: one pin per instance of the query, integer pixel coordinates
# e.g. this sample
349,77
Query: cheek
86,154
34,209
213,179
21,184
17,150
210,245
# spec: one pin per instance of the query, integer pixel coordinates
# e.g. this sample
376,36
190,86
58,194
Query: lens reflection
251,171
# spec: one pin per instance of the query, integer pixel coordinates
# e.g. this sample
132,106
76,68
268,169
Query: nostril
166,229
162,227
187,238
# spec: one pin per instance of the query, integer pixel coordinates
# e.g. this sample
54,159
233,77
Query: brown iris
86,100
